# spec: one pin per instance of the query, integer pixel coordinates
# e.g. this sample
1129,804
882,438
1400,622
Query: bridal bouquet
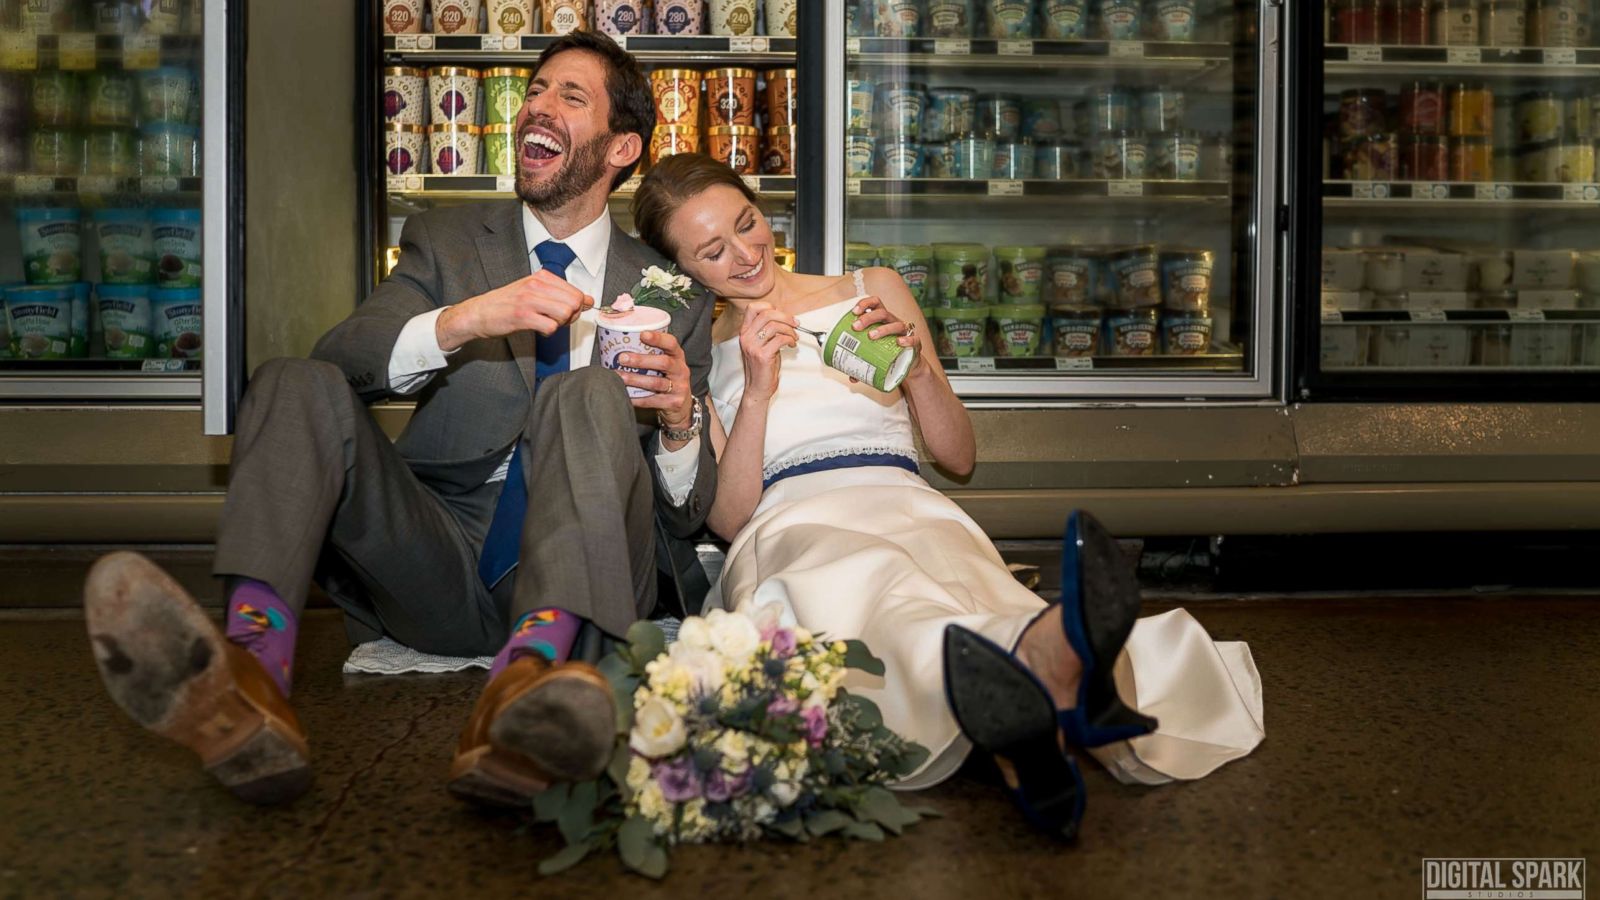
740,731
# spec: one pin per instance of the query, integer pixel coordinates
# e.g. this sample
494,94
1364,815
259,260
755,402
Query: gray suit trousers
319,492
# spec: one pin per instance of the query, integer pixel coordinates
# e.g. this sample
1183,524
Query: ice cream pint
961,330
563,16
454,148
455,16
511,16
504,91
781,17
1017,328
733,17
619,329
677,96
402,16
405,149
127,251
882,363
177,317
125,322
175,234
679,16
453,94
40,321
619,17
52,245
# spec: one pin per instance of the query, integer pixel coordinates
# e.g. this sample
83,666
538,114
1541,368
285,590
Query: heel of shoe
1004,710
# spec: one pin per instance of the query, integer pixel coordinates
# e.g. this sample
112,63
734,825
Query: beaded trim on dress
790,462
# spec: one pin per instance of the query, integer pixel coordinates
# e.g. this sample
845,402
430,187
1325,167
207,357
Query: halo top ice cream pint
619,329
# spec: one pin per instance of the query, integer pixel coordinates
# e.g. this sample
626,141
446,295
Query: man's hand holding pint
541,302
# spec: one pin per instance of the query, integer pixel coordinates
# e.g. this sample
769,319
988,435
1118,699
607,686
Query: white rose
694,633
657,730
656,277
785,793
733,636
704,667
683,282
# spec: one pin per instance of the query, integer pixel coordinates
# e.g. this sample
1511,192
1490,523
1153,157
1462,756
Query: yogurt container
511,16
1186,279
900,109
176,314
1075,331
1015,329
125,322
168,94
914,262
456,16
894,18
1064,20
860,152
127,249
453,94
1131,332
1070,277
1022,273
405,149
405,96
1186,334
112,151
620,331
52,245
175,235
961,330
39,318
882,362
949,18
170,149
1136,271
504,90
453,149
951,112
680,16
1010,19
859,256
1120,20
619,17
963,273
500,149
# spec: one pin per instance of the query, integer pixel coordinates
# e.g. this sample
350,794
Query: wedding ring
911,329
669,385
762,334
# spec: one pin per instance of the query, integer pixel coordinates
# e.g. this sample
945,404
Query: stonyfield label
178,330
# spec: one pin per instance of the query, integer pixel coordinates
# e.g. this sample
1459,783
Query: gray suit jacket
469,413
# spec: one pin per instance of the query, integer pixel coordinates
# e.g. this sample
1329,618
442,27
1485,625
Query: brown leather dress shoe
166,664
535,724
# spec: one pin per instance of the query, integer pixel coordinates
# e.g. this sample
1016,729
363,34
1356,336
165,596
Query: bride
819,494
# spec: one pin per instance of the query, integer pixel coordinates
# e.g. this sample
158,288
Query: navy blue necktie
552,354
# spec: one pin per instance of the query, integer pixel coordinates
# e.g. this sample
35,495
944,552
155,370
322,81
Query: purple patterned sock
260,622
549,632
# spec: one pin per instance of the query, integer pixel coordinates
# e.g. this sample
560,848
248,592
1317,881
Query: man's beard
583,166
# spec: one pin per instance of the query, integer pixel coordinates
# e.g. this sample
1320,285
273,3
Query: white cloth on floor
387,657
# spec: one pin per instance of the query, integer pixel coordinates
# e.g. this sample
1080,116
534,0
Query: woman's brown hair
671,183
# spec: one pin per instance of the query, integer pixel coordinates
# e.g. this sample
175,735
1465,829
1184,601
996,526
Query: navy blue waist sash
852,461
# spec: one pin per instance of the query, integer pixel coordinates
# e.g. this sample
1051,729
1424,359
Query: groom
520,502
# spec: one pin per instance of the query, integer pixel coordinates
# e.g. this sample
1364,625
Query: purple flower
783,706
722,787
782,643
816,721
678,779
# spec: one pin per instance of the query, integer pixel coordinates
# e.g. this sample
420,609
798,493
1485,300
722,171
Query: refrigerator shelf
433,188
1488,197
56,187
1455,316
650,48
980,54
1226,361
178,367
27,52
1470,62
966,188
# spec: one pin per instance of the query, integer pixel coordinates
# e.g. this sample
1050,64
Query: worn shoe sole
168,667
561,730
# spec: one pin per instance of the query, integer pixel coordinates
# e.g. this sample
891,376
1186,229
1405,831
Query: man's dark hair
633,106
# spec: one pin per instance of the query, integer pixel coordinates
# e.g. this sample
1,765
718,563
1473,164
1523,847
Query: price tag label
1127,49
1331,315
852,45
1561,56
1016,48
975,364
76,51
18,51
141,51
1005,189
424,42
157,184
396,183
1074,363
952,47
740,45
1464,56
413,182
162,365
852,187
1124,189
97,184
621,39
1580,193
499,43
404,42
1527,315
1369,190
1427,315
1492,191
1429,190
35,184
505,184
1366,54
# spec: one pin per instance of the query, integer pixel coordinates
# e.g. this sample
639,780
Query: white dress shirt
417,354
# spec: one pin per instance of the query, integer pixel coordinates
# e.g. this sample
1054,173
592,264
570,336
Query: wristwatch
687,434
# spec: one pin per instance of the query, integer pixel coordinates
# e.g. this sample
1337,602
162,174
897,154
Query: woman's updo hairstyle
671,183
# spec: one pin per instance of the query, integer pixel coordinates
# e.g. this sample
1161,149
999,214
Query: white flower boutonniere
660,288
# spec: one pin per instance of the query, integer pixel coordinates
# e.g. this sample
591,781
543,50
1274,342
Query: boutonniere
657,287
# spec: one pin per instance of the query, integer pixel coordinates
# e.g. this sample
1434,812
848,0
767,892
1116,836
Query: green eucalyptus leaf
857,656
789,828
616,668
826,821
548,803
570,856
617,769
655,863
863,831
577,816
645,643
634,840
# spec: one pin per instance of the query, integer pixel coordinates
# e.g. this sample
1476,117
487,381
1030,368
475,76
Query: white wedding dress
873,552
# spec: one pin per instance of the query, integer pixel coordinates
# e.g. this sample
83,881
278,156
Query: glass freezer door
1082,194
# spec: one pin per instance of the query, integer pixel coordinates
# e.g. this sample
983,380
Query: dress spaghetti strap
861,281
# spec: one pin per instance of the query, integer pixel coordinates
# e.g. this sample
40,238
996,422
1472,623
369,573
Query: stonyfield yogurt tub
127,250
176,314
175,236
125,322
961,330
52,245
619,329
1015,329
39,318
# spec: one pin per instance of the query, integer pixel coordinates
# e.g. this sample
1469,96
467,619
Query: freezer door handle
222,212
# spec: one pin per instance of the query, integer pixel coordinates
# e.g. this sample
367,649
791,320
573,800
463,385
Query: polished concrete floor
1397,729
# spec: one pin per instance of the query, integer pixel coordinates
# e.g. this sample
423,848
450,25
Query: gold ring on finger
762,334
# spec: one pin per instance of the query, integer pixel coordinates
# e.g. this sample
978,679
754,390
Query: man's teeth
542,140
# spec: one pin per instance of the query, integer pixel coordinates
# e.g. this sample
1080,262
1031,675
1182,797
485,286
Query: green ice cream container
500,149
1021,271
960,330
1016,329
504,90
914,262
963,273
882,363
859,256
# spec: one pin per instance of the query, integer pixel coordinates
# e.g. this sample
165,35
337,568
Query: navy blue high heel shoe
1099,603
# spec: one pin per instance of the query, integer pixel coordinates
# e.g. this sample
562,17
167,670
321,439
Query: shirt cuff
416,355
678,469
